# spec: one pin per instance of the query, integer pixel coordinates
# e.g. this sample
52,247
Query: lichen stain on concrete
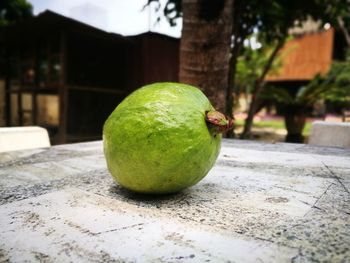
296,210
179,239
97,229
74,250
28,218
41,257
277,200
79,228
4,257
49,231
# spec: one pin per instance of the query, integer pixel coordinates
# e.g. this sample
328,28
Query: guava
162,138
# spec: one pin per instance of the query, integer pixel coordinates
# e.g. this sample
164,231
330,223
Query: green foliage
271,93
337,81
251,63
14,10
171,11
312,92
334,87
273,18
335,9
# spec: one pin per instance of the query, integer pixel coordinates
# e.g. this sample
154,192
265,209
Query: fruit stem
218,121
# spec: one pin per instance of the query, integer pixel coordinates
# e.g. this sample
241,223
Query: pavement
261,202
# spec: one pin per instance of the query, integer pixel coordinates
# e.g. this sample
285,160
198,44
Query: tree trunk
345,31
295,119
8,116
231,93
230,85
259,83
205,47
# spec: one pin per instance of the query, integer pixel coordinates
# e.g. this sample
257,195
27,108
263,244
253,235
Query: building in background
310,52
68,77
303,57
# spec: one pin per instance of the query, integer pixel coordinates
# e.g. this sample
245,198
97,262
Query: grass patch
275,124
307,129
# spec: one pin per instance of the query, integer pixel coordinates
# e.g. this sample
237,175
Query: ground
271,128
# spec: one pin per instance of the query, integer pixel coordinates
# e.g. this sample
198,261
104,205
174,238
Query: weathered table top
261,202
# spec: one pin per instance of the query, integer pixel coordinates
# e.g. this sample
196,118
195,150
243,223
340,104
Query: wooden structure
305,56
154,58
68,76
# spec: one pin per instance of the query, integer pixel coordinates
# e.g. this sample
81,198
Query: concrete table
260,203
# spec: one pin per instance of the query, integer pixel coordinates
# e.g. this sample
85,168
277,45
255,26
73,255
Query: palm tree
334,87
294,107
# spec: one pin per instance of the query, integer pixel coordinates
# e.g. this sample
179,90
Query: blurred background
275,66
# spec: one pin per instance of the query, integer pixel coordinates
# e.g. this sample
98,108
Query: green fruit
162,138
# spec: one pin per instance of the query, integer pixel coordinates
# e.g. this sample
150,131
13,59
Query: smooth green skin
157,139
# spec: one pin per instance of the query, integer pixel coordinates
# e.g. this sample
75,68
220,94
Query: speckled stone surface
260,203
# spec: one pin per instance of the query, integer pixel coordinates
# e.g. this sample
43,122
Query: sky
124,17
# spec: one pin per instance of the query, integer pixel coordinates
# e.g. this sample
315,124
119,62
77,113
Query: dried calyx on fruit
219,122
